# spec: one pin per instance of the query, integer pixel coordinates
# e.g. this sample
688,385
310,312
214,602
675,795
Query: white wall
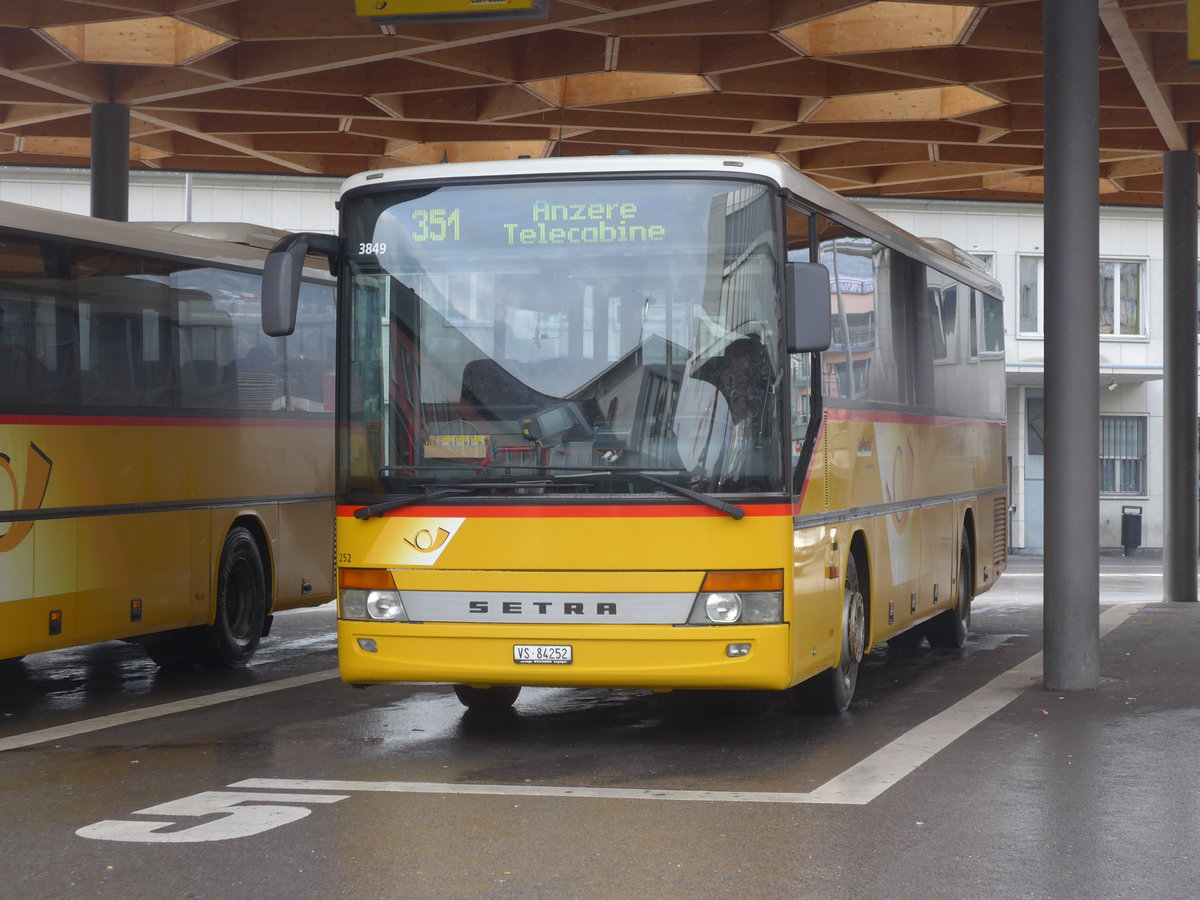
293,203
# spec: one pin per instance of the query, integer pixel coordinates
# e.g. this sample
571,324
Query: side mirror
282,275
808,310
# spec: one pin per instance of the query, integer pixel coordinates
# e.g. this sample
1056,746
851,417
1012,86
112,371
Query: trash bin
1131,528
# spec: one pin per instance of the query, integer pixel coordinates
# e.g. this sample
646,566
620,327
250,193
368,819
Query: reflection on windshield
500,330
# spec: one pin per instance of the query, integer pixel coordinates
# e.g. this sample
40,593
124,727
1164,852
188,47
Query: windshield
563,335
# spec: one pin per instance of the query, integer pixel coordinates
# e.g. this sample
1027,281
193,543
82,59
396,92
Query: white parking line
17,741
857,786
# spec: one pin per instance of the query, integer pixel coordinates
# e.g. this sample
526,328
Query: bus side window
861,360
801,248
38,339
15,327
207,368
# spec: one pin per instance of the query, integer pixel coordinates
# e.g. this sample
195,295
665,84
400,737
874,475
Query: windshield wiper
589,470
378,509
730,509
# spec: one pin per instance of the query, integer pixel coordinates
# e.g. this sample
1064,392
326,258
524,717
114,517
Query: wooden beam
266,103
20,115
188,124
1135,50
860,154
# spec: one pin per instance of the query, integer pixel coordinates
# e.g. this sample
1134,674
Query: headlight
383,606
737,608
723,608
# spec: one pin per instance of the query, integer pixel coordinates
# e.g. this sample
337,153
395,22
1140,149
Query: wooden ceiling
869,98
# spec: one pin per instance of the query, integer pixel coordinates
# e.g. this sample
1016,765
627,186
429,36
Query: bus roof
33,221
805,189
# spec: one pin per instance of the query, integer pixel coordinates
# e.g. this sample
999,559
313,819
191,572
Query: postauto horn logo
37,477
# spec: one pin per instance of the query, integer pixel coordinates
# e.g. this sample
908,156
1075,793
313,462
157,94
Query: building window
1035,423
1121,313
1029,294
1120,297
1122,455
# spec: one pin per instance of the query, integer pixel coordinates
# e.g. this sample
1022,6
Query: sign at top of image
417,12
1193,32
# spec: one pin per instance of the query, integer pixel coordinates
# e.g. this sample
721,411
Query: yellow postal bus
663,422
167,467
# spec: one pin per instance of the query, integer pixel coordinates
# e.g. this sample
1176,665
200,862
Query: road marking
17,741
518,790
857,786
236,820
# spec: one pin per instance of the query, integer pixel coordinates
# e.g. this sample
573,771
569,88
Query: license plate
542,654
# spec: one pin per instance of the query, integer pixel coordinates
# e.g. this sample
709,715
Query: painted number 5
260,814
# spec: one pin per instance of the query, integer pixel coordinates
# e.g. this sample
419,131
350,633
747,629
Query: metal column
1072,340
1179,373
110,161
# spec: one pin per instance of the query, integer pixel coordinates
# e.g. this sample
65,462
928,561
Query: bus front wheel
232,639
830,692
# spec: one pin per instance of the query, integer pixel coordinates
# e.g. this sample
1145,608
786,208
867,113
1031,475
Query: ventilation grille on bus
825,456
999,531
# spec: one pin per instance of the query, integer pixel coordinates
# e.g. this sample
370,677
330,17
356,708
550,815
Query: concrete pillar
1072,340
1179,373
110,161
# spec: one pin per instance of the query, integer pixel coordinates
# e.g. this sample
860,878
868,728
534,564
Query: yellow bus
668,422
167,467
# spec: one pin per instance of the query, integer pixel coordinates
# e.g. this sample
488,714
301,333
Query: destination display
546,222
432,229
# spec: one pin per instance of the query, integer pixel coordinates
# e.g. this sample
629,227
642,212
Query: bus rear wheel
950,629
489,700
241,614
830,692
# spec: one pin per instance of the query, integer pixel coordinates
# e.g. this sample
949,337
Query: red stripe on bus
630,511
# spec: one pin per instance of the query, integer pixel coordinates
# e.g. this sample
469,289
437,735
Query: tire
949,629
489,700
173,650
907,641
830,692
241,614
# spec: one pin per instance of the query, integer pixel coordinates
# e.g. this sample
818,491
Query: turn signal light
748,580
366,579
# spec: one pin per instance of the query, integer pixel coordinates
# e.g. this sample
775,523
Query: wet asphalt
120,780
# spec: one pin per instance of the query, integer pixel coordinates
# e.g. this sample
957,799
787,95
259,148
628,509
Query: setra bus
651,421
168,467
